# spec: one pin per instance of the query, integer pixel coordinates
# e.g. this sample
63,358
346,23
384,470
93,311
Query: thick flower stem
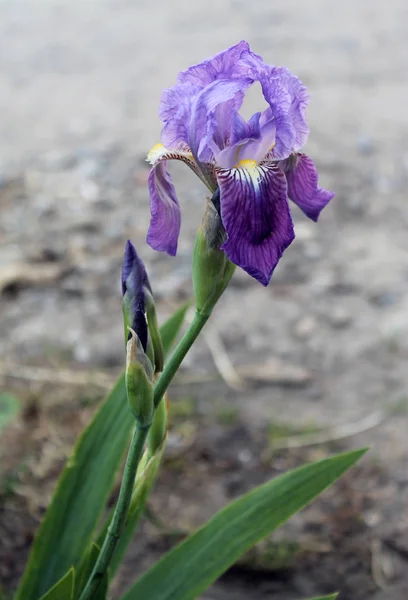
178,355
133,459
120,514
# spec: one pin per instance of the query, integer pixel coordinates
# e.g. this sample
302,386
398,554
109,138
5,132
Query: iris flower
254,165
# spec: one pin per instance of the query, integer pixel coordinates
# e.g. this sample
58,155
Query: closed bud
212,269
138,303
139,381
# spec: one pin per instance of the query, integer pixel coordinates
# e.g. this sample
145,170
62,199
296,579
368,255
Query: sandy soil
79,89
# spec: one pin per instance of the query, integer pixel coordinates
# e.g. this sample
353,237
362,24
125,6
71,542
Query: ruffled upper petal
256,216
204,123
287,98
175,112
303,189
237,61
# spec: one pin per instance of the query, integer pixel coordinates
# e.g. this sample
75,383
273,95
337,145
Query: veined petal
287,98
236,61
165,219
164,206
175,112
256,216
303,189
204,126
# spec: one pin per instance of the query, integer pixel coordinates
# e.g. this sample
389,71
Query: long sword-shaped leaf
331,597
63,589
185,572
171,328
83,488
80,497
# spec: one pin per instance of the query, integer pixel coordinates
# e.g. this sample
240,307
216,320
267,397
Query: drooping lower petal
256,216
303,189
165,220
164,206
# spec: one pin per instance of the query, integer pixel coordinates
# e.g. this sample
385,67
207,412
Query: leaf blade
171,328
63,589
80,496
186,571
54,549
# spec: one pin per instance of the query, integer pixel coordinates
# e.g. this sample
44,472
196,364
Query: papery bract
255,164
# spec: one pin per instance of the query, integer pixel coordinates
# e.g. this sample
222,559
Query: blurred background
315,363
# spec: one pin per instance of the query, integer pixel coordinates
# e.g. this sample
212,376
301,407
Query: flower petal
164,206
165,219
175,112
236,61
256,216
204,124
287,98
303,189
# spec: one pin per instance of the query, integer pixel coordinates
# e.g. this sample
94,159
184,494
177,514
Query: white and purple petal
303,189
256,217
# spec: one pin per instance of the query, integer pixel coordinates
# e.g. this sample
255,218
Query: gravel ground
325,345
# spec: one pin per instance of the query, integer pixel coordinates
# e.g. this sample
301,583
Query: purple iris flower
135,284
255,165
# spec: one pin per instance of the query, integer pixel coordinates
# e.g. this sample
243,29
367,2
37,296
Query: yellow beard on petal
155,153
250,167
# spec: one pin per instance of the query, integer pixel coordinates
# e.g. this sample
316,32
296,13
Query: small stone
383,299
340,317
365,145
305,327
89,190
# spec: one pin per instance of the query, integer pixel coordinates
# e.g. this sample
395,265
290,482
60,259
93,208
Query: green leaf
63,590
80,497
171,328
331,597
185,572
145,479
84,486
9,409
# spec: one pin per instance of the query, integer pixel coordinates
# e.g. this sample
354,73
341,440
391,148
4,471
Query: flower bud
212,270
139,381
138,303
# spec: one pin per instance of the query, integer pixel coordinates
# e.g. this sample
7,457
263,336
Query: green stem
133,458
178,355
119,516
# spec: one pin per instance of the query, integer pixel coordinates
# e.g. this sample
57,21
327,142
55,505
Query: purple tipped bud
134,284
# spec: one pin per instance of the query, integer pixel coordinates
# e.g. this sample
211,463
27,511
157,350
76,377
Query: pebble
340,318
365,145
305,327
